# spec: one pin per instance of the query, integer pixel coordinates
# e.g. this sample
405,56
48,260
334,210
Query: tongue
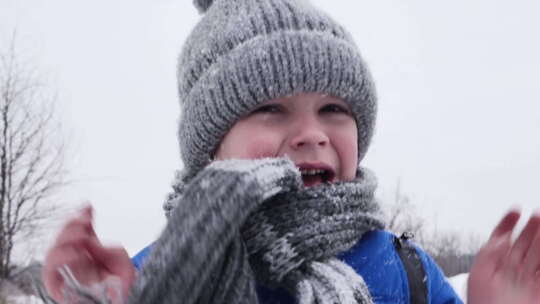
312,180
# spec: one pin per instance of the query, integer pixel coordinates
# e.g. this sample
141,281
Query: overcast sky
459,102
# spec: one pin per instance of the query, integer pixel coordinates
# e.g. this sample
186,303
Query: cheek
350,159
260,148
346,145
248,143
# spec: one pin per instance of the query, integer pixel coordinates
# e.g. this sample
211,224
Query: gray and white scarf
241,222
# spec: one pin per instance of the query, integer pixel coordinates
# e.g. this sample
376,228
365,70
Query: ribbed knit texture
232,223
245,52
200,247
242,221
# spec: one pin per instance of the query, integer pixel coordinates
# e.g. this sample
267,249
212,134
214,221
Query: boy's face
317,132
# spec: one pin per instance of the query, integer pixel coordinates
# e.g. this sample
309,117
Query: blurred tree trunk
31,154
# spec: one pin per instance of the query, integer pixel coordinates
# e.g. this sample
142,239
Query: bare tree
402,216
31,153
452,251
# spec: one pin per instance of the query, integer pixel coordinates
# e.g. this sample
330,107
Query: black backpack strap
414,268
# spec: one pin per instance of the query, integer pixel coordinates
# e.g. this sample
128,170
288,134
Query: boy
272,205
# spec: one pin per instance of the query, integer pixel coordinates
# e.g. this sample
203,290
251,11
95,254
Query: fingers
506,225
66,250
78,247
519,260
524,242
531,257
77,228
493,253
52,281
87,211
113,258
116,261
76,259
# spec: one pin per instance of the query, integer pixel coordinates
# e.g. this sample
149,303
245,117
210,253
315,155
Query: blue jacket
375,258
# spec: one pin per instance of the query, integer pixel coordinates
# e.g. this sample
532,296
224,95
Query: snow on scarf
242,221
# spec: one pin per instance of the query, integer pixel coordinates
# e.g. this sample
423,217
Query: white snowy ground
459,282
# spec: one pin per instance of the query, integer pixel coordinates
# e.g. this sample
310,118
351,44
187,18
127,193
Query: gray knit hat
245,52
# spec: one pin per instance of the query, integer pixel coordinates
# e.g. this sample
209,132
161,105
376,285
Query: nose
308,134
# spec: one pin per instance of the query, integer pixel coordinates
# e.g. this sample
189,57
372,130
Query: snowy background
459,117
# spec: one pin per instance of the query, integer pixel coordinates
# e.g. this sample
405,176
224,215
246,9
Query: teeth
312,172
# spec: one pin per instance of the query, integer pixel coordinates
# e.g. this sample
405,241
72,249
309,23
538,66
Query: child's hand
505,271
78,247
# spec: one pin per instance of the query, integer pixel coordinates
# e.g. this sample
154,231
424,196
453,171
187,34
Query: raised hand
78,248
506,271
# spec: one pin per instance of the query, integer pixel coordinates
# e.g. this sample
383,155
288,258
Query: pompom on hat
202,5
245,52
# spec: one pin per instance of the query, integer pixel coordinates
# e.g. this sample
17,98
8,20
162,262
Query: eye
335,108
269,108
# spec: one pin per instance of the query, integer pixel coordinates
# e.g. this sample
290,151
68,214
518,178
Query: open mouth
312,177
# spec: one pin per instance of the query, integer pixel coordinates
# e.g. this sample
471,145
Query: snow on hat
245,52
